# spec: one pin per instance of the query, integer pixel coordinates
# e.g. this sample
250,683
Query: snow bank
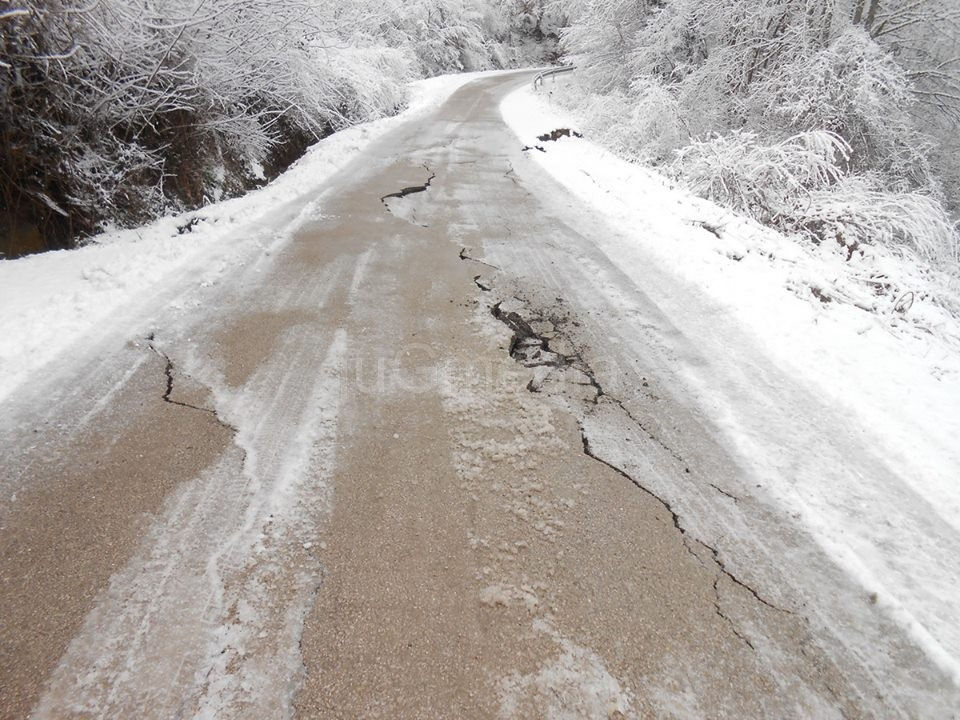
888,363
52,299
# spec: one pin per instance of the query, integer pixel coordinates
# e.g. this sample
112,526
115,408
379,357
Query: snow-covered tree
113,110
722,88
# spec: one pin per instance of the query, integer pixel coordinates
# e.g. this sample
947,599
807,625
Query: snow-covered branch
116,109
724,90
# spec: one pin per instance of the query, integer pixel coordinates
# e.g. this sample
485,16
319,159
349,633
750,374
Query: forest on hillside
831,119
115,111
835,120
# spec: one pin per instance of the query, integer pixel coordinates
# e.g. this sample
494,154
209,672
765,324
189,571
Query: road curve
428,458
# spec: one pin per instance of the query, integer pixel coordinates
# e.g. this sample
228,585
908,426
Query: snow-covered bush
444,35
740,171
113,111
855,89
803,113
799,185
360,83
521,33
600,36
643,124
858,211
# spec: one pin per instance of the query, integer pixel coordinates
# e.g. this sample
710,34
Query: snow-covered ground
50,300
893,375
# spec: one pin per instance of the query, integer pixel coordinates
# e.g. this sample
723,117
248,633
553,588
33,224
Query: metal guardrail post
538,80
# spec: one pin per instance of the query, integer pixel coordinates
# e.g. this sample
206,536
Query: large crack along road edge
533,349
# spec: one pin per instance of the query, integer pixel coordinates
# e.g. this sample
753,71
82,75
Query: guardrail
553,72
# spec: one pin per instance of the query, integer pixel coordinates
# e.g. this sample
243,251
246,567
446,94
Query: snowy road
433,456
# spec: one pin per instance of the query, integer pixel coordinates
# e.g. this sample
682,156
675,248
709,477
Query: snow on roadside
52,299
894,374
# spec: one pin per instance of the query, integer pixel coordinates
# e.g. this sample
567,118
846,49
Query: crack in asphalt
314,589
463,256
715,554
723,570
526,346
532,349
411,190
720,613
168,371
524,336
724,492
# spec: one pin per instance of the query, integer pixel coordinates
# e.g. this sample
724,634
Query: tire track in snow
248,557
